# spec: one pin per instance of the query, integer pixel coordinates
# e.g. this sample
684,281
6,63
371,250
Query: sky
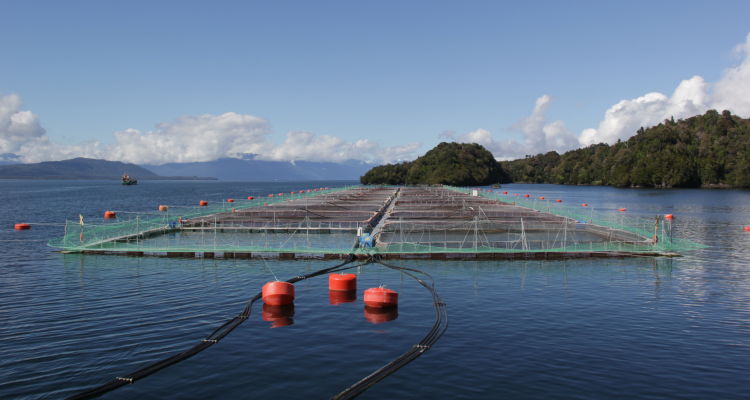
180,81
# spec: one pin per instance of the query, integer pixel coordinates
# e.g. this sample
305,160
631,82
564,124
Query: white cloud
310,147
539,136
691,97
17,127
187,139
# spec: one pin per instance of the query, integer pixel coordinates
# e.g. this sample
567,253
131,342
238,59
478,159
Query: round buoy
203,203
163,208
281,194
526,195
270,195
342,282
558,201
278,315
541,197
277,293
230,200
669,216
380,315
584,204
505,192
622,209
747,228
336,297
250,197
110,215
21,227
381,297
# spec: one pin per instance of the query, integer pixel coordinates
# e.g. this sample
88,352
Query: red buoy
21,227
250,197
747,228
541,197
622,209
110,215
281,194
526,195
669,216
203,203
230,200
381,297
342,282
584,204
336,297
380,315
277,293
163,208
278,315
558,201
270,195
505,192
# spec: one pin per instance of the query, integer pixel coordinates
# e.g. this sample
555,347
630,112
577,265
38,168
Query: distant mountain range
228,169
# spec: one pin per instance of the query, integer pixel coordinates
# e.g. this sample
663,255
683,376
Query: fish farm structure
423,222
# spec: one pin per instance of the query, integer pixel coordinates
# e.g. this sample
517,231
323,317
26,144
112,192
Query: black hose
438,328
215,336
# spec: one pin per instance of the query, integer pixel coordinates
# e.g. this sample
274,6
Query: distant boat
128,180
496,186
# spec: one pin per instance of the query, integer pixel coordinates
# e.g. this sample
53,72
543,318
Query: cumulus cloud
307,146
691,97
186,139
539,136
17,127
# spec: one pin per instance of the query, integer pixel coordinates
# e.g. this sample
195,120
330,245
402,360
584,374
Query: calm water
585,329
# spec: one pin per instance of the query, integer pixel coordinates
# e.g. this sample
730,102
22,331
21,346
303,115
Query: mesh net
402,220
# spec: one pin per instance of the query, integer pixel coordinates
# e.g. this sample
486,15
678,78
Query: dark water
584,329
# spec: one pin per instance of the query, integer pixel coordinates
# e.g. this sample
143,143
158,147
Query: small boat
496,186
128,180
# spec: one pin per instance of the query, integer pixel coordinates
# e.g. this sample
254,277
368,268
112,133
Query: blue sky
391,72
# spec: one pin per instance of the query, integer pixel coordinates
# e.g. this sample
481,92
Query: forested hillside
706,150
459,164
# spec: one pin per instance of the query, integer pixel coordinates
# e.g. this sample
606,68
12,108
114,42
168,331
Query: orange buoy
203,203
163,208
584,204
622,209
250,197
558,201
21,227
526,195
380,315
669,216
270,195
278,315
747,228
110,215
281,194
381,297
342,282
277,293
505,192
541,197
230,200
336,297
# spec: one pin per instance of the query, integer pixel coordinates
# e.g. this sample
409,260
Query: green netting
161,232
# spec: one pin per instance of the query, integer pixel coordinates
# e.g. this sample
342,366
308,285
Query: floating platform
402,222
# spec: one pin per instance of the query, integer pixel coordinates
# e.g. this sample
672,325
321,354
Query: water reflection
380,315
336,297
278,315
